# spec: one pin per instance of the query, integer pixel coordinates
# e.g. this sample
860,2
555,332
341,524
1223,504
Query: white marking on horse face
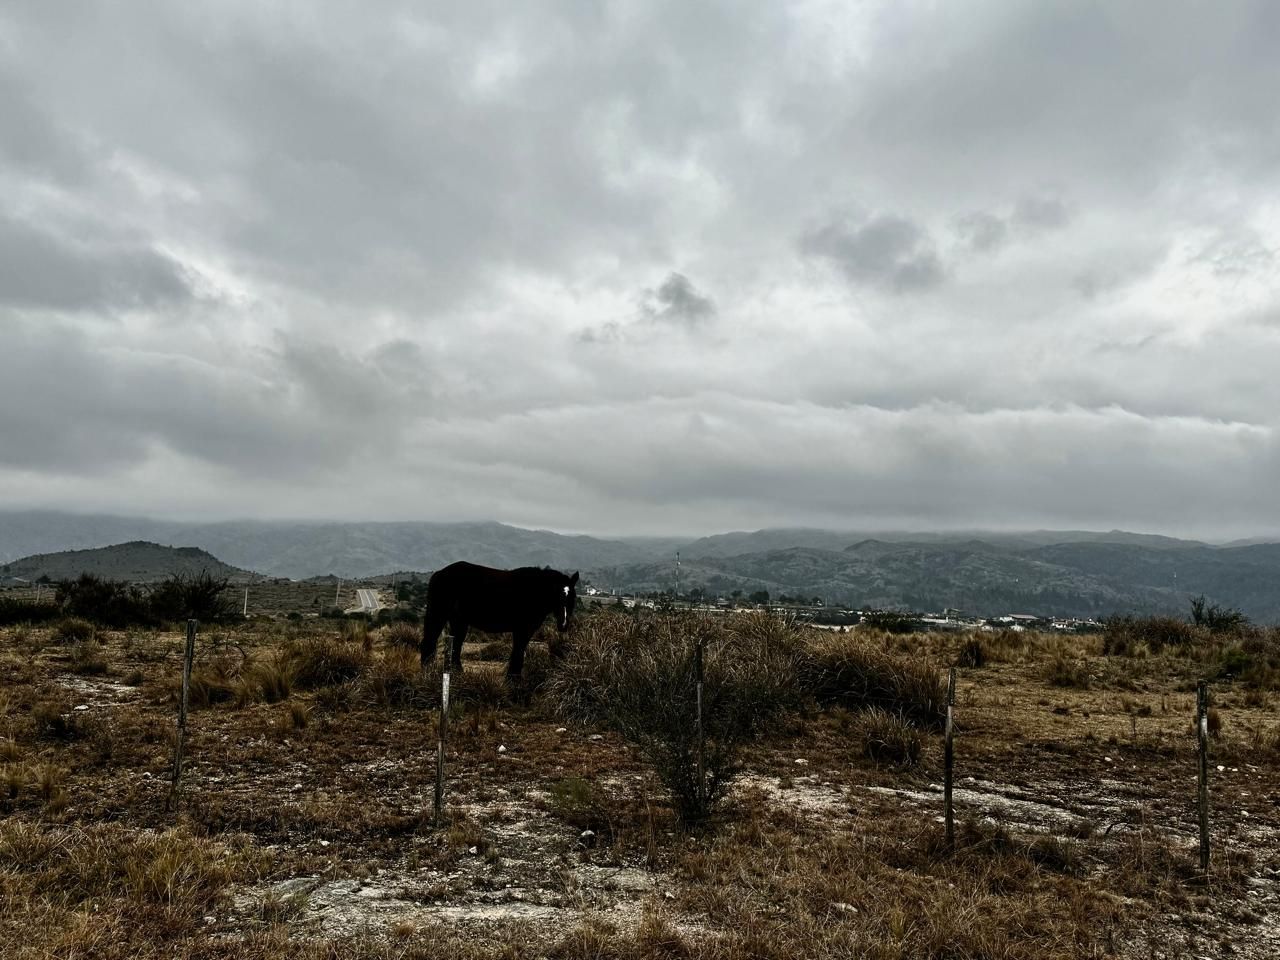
566,591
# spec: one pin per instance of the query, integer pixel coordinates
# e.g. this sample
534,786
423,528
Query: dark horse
498,601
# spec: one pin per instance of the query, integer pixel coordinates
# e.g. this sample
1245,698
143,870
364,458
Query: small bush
846,669
1123,636
395,679
269,680
887,738
13,611
890,621
209,685
73,630
55,721
1065,672
1215,618
401,634
638,676
112,603
203,597
326,661
88,659
972,654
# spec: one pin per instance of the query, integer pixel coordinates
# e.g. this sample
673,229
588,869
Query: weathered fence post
701,741
442,733
180,744
1202,731
948,761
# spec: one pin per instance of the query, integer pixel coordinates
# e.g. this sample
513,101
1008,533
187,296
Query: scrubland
576,824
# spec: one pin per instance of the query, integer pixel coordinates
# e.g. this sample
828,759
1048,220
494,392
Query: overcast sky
644,267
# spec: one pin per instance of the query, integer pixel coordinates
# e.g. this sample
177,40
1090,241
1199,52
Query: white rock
802,762
502,748
562,729
324,843
474,850
85,706
596,736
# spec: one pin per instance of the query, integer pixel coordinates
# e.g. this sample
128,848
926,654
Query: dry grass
332,781
857,669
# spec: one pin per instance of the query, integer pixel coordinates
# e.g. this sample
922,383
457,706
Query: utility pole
677,574
337,592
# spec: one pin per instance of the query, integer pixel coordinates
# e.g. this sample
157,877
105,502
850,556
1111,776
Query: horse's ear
574,578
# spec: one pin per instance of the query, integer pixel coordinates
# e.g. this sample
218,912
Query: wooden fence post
442,734
949,760
180,744
701,742
1202,731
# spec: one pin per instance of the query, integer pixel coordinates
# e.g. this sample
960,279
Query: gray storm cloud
642,268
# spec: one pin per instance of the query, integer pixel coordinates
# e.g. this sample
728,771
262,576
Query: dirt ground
304,827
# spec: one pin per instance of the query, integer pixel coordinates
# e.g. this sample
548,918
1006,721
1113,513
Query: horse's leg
459,630
432,624
519,641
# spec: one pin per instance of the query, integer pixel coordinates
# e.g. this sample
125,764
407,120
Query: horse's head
566,601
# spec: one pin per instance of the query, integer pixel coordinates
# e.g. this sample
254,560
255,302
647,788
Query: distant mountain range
1070,573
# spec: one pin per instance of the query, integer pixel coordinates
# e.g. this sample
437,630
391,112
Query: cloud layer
644,267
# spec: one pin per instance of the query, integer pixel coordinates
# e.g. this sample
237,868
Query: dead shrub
638,676
326,661
1065,672
88,659
54,720
396,679
972,654
847,669
1126,635
269,680
401,634
888,739
210,684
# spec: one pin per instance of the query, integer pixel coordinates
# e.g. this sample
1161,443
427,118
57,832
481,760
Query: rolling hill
137,561
1080,573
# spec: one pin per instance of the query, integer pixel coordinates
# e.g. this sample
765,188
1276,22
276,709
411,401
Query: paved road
368,600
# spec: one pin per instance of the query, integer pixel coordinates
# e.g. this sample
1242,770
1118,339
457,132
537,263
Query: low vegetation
577,824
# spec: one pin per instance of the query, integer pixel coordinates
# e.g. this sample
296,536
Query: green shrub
112,603
73,630
890,621
203,597
1215,618
14,611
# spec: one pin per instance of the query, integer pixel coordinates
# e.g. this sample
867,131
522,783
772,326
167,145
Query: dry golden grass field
304,827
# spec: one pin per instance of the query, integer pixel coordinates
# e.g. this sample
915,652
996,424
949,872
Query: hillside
1062,572
1082,578
300,550
137,561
